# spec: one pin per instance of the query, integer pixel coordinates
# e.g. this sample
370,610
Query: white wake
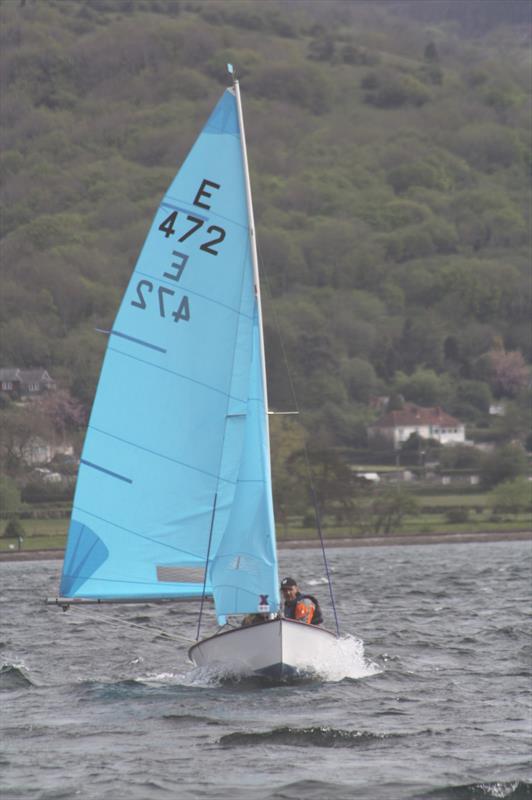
347,661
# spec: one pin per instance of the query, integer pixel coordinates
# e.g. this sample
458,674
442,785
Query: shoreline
392,540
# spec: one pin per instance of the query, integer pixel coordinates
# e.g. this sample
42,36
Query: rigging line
320,533
206,566
117,622
266,278
305,449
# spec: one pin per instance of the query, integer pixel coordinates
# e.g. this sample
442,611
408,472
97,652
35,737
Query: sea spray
348,661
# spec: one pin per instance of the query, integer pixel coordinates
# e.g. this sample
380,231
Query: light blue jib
178,427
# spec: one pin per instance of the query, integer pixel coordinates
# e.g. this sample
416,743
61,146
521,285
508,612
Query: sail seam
184,289
160,455
164,204
135,533
213,214
177,374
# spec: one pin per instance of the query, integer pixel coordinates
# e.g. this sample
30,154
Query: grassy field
46,534
479,500
39,534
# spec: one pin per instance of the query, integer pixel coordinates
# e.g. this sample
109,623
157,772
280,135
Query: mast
253,246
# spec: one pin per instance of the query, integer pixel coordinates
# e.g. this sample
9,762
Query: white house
428,423
39,451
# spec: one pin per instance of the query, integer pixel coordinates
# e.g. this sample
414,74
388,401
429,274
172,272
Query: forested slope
388,149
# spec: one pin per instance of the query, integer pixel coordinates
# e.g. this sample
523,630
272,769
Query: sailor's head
289,588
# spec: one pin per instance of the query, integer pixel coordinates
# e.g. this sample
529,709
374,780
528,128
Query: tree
14,530
287,438
429,173
389,508
20,427
425,388
476,393
334,482
516,422
488,146
65,413
421,342
360,379
431,54
504,464
461,456
321,49
511,497
305,86
509,372
9,494
390,89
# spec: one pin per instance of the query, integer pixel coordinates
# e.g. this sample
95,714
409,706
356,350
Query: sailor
298,606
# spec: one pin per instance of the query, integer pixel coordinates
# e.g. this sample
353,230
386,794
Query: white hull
278,649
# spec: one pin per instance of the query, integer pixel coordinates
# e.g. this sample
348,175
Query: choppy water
427,698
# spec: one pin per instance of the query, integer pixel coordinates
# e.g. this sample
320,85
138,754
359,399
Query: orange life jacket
305,608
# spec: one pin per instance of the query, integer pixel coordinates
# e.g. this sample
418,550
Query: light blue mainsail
175,463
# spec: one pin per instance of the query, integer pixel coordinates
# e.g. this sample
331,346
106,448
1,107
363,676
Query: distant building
39,451
428,423
22,383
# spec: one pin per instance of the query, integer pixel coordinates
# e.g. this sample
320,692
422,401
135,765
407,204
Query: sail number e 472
195,223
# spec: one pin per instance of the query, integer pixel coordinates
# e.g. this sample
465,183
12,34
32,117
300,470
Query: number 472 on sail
143,286
167,227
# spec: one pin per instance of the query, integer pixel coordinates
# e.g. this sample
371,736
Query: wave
145,687
196,677
312,790
96,691
496,790
13,676
193,719
304,737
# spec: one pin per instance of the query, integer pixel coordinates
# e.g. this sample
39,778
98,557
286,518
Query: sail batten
137,341
106,471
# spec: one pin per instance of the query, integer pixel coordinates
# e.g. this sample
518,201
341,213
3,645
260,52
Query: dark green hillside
389,152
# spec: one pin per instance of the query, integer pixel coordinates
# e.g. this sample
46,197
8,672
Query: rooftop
414,415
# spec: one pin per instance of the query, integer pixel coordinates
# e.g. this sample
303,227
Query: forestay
176,453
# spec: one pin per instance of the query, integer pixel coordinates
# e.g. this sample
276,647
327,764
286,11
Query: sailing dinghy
173,497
